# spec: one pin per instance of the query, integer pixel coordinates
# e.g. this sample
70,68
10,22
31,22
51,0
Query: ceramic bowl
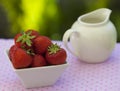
39,76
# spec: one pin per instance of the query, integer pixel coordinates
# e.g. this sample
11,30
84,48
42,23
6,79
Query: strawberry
55,55
18,44
20,58
33,32
38,61
41,44
24,40
11,51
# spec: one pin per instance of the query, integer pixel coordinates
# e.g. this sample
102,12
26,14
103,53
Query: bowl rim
43,67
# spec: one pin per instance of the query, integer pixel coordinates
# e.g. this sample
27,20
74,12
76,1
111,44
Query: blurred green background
50,17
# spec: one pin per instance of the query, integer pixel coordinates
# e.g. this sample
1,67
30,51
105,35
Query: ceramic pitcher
92,37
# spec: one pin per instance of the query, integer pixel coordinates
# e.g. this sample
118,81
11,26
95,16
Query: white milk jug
92,37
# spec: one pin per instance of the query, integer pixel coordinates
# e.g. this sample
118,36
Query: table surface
79,76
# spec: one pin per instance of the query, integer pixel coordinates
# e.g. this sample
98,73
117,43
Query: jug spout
105,13
96,17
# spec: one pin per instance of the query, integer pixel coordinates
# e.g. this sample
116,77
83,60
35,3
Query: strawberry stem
26,38
53,48
30,52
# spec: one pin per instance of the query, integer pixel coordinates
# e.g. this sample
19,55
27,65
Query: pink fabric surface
79,76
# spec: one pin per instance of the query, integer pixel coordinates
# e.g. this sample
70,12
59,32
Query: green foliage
13,11
50,17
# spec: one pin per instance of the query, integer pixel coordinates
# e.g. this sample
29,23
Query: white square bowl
40,76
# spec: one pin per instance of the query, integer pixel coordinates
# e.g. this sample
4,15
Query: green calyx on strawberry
53,48
30,52
25,38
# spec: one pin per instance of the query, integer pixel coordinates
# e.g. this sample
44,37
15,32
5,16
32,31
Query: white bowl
40,76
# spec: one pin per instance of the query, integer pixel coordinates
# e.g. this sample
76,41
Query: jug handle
66,37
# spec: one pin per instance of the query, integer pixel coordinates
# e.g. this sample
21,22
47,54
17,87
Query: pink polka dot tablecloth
78,76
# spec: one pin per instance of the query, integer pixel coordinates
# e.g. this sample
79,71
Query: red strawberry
41,44
24,40
38,61
33,32
18,44
55,55
21,59
11,51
